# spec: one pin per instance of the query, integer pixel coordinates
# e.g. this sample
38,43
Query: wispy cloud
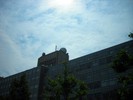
30,27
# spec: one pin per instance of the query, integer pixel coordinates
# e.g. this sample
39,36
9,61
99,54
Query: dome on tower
63,50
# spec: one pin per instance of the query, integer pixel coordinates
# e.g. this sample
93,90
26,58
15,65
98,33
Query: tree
122,61
66,86
81,90
53,90
131,35
19,89
124,92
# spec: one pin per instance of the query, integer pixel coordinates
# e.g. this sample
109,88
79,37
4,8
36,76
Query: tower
54,58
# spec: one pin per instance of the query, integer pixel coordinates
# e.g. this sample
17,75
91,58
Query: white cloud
31,27
12,60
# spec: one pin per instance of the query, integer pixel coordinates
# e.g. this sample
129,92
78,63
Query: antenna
56,48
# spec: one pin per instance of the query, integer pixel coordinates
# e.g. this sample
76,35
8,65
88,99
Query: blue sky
30,27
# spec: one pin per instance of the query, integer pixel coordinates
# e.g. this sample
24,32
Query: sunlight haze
30,27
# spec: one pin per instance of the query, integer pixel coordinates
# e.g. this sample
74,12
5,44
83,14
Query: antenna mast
56,48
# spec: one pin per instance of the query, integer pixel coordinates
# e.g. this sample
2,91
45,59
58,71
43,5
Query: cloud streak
30,27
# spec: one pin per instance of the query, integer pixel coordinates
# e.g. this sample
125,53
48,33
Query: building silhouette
95,69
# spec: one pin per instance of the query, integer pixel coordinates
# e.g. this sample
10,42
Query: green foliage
53,90
131,35
122,62
65,86
19,89
81,90
124,91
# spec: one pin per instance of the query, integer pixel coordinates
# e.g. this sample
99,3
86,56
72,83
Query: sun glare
62,4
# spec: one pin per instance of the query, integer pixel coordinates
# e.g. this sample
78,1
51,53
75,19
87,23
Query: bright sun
63,5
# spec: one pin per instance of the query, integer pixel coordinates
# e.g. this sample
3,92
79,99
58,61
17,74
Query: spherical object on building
43,54
63,50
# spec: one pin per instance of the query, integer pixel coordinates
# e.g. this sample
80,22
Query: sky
30,27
